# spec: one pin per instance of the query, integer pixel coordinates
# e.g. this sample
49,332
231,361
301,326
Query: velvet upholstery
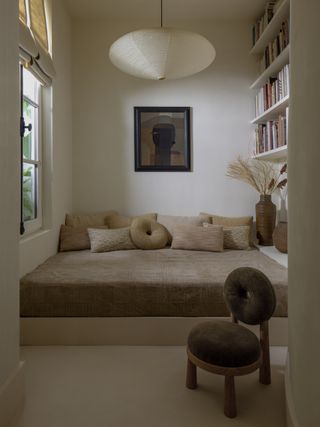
223,343
249,295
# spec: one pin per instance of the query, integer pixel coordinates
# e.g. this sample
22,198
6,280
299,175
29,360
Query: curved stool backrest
249,295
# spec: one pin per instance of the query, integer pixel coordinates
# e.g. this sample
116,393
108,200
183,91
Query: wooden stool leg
191,375
265,371
230,408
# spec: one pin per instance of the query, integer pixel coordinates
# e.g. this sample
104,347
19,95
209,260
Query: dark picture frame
162,139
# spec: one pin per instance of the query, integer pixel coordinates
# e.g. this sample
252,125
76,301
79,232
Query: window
36,71
31,168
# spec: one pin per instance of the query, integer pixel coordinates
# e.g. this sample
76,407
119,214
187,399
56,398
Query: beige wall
304,205
103,101
9,192
58,147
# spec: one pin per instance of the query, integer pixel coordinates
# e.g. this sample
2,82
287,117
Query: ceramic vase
280,237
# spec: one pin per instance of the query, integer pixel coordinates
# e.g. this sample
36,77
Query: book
275,89
263,21
272,135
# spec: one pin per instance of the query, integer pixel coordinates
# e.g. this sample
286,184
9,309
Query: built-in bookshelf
270,36
280,14
272,112
274,68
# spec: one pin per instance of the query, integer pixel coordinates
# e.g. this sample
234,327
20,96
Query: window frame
33,225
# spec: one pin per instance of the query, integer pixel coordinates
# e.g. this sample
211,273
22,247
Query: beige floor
140,387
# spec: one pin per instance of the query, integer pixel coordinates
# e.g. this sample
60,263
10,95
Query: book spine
263,21
276,46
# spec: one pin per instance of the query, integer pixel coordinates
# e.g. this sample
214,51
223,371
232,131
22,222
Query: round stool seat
224,344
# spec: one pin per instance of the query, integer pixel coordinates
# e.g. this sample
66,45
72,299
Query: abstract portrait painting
162,139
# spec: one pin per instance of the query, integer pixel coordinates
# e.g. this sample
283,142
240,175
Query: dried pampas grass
262,176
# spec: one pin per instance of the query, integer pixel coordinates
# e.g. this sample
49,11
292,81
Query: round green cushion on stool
249,295
223,343
148,234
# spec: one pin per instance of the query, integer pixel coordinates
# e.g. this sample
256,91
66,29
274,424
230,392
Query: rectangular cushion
88,220
228,221
74,238
121,221
110,240
192,237
237,237
171,221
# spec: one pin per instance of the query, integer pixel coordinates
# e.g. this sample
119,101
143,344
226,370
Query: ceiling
173,10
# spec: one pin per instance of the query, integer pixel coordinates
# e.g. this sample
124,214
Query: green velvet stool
229,349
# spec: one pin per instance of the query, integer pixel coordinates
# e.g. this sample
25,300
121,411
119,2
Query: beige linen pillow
235,237
88,220
110,240
74,238
192,237
172,221
120,221
228,221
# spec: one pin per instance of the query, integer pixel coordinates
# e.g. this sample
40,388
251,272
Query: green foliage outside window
28,203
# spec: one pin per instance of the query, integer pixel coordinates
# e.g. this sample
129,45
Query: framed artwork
162,139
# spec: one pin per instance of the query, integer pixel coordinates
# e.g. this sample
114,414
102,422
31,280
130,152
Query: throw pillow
235,237
147,234
88,220
197,238
172,221
110,240
74,238
227,221
120,221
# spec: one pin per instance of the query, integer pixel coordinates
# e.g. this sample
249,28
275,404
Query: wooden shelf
277,155
273,112
273,68
272,29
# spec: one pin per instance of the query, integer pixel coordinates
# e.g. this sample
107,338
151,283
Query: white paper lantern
162,53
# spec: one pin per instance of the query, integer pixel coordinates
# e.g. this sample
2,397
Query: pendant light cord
161,14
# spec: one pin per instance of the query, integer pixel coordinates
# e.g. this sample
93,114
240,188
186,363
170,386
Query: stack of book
261,24
273,91
273,134
276,46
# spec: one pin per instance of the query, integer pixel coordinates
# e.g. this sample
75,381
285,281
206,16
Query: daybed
164,282
81,297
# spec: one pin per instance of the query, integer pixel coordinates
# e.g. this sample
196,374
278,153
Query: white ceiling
173,10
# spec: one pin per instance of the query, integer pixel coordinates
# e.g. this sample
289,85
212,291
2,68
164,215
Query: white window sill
34,235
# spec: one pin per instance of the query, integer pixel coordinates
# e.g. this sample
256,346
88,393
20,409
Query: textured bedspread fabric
162,282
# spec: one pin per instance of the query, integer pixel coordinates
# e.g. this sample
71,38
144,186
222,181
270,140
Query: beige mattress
163,282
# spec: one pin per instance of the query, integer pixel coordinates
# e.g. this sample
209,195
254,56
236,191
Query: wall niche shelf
272,28
274,68
276,155
273,112
271,126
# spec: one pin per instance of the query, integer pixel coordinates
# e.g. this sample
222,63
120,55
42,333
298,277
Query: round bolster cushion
148,234
249,295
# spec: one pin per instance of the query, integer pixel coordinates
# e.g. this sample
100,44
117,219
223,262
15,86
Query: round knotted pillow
148,234
249,295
